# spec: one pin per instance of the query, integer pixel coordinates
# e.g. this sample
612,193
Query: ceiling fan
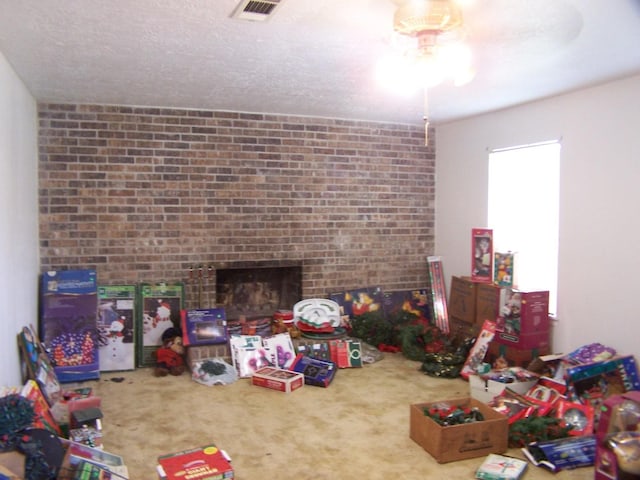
429,39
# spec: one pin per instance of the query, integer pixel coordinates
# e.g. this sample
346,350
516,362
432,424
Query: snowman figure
116,354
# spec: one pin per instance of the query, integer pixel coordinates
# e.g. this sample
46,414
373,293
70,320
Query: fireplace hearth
257,291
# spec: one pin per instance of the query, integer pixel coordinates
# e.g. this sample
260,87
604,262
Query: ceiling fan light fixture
438,51
416,16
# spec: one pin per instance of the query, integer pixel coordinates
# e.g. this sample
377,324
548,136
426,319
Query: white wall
599,255
19,260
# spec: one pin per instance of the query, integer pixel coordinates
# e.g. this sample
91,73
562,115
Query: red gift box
523,319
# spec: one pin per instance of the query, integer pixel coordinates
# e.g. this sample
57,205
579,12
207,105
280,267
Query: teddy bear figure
170,355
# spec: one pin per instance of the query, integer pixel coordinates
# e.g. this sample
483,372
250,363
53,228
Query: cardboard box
12,465
487,302
459,442
462,300
278,379
459,329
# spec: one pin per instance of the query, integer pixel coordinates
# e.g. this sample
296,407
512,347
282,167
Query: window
523,212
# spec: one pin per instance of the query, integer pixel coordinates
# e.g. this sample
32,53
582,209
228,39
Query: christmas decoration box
346,353
68,322
43,417
523,319
459,442
116,320
504,269
316,372
280,349
593,383
314,349
248,354
437,293
202,463
160,307
36,365
482,255
278,379
501,467
77,453
73,400
619,424
204,326
562,453
399,304
359,301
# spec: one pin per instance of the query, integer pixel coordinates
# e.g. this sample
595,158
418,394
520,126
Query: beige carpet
358,428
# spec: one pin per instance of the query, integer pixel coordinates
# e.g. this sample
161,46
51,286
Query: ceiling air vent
256,10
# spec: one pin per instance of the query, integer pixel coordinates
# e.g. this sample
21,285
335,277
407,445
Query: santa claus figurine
116,329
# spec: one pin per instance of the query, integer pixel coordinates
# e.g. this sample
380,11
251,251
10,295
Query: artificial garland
536,428
449,360
373,328
418,339
213,368
453,415
17,414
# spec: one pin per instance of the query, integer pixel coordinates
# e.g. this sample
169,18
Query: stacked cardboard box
462,306
523,325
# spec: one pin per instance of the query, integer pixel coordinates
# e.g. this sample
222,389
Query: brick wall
143,194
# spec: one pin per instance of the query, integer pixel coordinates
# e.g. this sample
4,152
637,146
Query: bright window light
523,210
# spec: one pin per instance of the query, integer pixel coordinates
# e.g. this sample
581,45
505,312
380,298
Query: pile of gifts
559,404
266,359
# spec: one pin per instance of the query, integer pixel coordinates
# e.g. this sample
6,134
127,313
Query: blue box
69,322
204,326
316,372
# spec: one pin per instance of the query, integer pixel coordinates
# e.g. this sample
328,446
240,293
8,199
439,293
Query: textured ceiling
314,58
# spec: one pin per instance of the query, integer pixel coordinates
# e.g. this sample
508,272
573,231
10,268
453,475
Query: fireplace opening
255,292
